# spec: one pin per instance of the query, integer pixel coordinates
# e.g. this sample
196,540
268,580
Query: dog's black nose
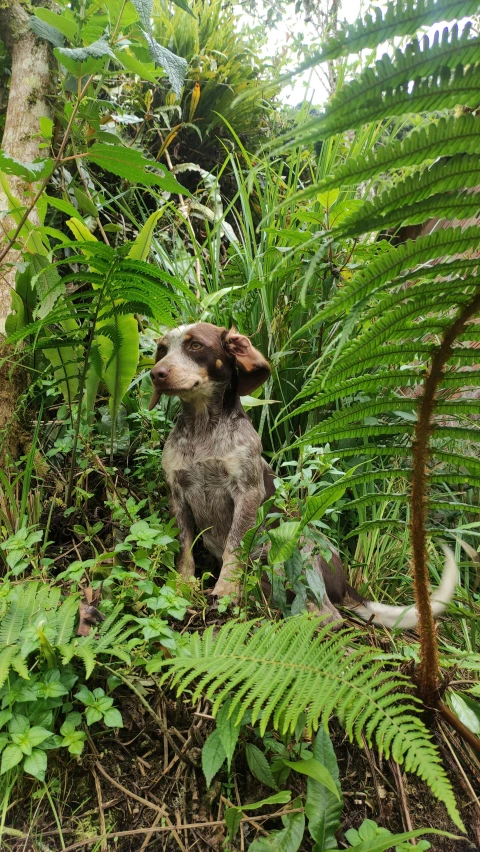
159,373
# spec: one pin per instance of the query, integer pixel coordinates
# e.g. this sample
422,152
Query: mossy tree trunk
30,83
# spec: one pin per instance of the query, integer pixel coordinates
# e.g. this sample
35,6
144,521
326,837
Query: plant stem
427,672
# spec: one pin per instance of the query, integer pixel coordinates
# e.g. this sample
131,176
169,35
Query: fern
34,608
280,671
402,18
396,370
443,137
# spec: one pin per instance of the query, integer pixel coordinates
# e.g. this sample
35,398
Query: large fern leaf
279,671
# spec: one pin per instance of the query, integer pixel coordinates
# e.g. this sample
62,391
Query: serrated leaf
318,505
36,764
174,66
132,64
96,50
233,817
29,171
64,22
258,765
45,31
228,731
144,9
130,164
322,808
284,540
213,756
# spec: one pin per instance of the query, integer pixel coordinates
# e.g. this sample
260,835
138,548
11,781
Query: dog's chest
202,466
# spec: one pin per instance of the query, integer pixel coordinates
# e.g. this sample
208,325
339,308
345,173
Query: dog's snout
160,372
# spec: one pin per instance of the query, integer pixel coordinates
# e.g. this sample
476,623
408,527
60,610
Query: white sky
308,85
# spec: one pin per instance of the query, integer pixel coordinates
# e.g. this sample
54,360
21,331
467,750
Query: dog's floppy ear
156,394
253,369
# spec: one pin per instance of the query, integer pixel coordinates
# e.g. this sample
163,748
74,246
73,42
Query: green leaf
174,66
134,65
45,31
85,203
318,505
113,718
213,756
322,807
141,247
64,206
36,764
467,710
11,756
29,171
287,840
182,4
228,731
64,22
120,359
233,817
382,843
97,50
144,9
280,798
258,765
314,769
284,540
130,164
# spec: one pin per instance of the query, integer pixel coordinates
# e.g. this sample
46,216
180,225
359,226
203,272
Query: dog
216,476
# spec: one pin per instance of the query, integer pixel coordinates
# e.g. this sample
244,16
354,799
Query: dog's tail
405,617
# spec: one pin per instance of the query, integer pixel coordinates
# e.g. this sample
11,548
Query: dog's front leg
185,522
246,505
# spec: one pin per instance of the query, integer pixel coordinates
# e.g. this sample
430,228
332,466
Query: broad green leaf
29,171
36,764
11,756
213,756
144,9
80,230
314,769
233,817
280,798
283,541
228,731
134,65
174,66
467,710
258,765
322,807
85,203
45,31
288,839
64,206
113,718
120,362
97,50
64,22
382,843
318,505
142,243
130,164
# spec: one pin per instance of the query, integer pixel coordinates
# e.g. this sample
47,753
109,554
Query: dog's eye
195,345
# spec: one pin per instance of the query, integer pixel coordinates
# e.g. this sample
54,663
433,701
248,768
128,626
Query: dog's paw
226,588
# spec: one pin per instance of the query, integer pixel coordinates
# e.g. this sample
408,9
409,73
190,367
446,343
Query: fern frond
284,669
419,59
401,18
320,436
393,262
7,655
442,137
65,620
13,620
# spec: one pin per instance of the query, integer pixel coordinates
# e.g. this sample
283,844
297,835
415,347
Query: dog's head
194,361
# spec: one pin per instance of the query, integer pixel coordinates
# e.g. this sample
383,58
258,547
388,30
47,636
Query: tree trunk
27,102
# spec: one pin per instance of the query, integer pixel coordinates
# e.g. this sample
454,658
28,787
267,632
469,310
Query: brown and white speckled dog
214,467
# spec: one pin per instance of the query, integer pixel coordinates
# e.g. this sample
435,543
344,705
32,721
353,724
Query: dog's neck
206,410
